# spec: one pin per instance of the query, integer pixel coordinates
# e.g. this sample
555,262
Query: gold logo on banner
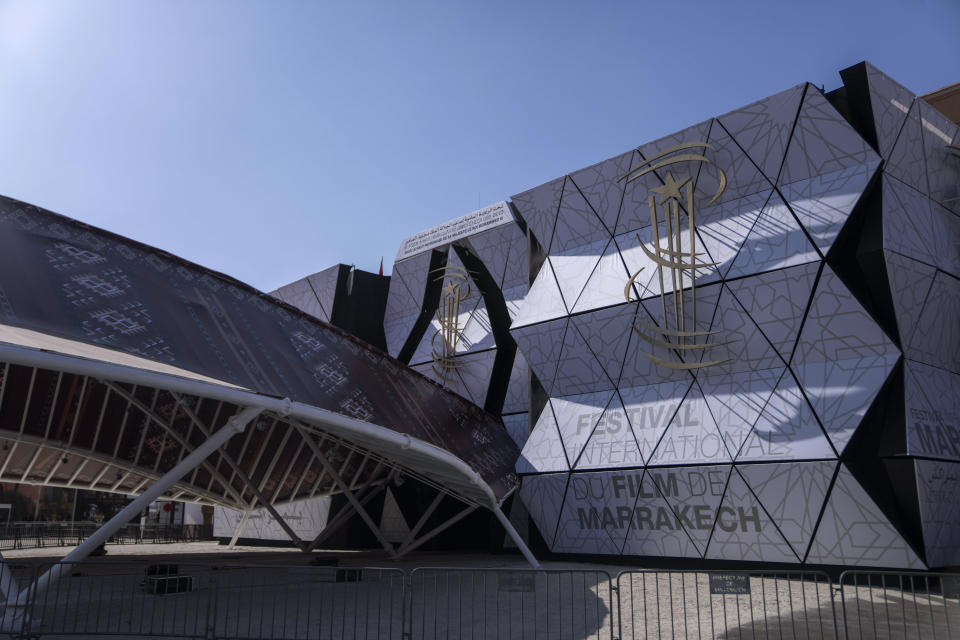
676,262
445,340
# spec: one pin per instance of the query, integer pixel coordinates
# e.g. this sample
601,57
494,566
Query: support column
236,424
236,534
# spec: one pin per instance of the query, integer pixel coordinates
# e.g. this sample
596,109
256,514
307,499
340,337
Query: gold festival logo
675,262
445,340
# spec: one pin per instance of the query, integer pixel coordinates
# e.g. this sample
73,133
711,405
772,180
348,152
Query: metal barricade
308,602
506,603
881,604
740,604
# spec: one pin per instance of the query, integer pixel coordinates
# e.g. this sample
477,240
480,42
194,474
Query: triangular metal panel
638,367
729,169
793,495
502,250
538,207
635,211
413,272
908,222
543,301
910,283
824,202
576,418
890,102
397,329
542,495
694,494
736,400
776,241
514,298
740,345
936,340
907,161
692,436
324,285
579,370
939,512
596,515
724,228
655,530
743,530
431,341
577,224
786,429
947,233
518,389
606,284
518,426
476,369
943,168
602,186
540,345
842,359
640,268
763,128
543,451
651,408
573,269
777,301
823,142
854,531
607,333
611,445
931,408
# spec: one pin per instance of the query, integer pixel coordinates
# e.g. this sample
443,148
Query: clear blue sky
269,140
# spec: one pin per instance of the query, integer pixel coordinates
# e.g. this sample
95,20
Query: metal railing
216,602
30,535
882,604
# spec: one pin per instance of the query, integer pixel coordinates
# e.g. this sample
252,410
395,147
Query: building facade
738,342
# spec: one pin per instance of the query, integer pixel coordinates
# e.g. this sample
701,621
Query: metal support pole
236,534
343,487
517,540
460,515
342,516
235,425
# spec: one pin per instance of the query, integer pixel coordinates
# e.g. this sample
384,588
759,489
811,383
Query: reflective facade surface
739,342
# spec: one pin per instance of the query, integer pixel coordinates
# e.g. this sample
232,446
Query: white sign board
486,218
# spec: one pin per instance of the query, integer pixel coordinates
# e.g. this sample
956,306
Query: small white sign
486,218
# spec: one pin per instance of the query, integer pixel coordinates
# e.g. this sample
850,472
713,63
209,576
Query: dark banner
62,277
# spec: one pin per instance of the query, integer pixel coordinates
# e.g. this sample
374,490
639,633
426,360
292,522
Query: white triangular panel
854,531
776,241
725,226
603,188
596,515
607,333
538,207
730,174
692,436
579,371
577,416
413,273
656,530
763,128
786,429
606,284
518,426
540,345
573,269
740,345
694,494
792,494
736,400
824,202
475,369
612,443
577,224
744,531
543,451
823,142
777,301
650,408
543,301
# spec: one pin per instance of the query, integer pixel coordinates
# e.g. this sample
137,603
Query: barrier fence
29,535
220,602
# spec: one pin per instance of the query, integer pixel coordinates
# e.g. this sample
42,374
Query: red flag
381,265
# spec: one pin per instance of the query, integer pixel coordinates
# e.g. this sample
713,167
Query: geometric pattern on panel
694,494
655,529
932,411
776,241
854,531
744,529
736,401
906,159
542,495
792,493
518,426
889,103
651,408
540,345
542,302
578,370
576,418
538,208
543,451
910,282
942,168
602,187
612,443
596,514
842,358
692,435
938,485
936,338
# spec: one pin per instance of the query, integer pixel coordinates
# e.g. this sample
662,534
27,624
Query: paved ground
283,596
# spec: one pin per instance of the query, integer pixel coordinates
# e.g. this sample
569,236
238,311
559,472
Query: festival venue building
740,342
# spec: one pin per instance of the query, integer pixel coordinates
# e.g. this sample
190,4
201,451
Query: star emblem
671,188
